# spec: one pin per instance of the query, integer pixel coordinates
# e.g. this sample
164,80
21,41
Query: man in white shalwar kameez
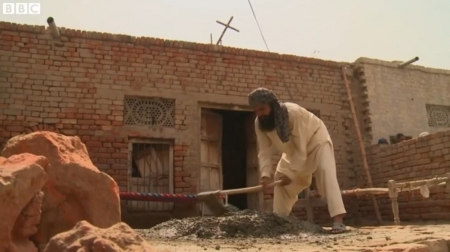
307,151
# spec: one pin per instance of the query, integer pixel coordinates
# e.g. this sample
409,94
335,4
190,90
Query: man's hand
265,181
285,180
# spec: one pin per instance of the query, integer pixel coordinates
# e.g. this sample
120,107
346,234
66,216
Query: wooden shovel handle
252,189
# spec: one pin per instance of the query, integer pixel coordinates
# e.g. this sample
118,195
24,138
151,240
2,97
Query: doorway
229,155
234,154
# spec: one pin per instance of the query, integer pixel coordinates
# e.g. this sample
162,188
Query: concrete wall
397,97
415,159
79,89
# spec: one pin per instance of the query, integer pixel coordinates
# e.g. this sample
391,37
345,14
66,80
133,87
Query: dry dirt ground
435,236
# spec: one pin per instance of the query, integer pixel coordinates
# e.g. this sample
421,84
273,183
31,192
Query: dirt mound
85,237
242,224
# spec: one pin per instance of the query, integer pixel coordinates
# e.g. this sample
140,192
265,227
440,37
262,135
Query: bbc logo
21,8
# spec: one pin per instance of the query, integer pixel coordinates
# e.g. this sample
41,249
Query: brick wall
397,97
79,89
415,159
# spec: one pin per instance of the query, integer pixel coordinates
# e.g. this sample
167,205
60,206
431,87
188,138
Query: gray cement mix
238,224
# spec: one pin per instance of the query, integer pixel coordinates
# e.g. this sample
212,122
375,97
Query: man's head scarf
261,96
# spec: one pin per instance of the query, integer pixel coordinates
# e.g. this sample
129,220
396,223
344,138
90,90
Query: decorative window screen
149,112
438,116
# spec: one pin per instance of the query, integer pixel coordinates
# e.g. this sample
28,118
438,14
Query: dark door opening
234,154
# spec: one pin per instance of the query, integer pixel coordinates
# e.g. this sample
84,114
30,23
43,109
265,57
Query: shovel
215,204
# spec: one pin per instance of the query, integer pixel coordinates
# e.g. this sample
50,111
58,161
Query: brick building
408,100
171,116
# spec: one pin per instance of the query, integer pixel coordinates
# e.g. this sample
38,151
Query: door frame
208,111
230,107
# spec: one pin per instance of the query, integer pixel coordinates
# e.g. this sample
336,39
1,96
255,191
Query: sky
342,30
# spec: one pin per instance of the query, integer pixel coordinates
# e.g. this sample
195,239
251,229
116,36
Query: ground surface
174,236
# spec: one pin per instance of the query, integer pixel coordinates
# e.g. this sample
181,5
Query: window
150,171
140,111
438,116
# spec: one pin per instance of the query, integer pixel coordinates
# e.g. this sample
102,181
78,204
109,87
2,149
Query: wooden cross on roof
225,29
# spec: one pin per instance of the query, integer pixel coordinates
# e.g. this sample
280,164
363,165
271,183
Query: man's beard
267,122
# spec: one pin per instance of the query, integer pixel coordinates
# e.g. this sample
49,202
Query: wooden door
254,200
210,152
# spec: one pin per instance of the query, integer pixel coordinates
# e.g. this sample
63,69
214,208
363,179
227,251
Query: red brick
120,155
180,153
182,185
94,144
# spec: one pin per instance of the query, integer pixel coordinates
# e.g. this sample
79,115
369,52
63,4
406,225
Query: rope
259,27
159,197
267,47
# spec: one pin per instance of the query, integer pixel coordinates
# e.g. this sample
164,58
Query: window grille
149,112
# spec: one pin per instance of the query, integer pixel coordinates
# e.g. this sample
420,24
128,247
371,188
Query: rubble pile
242,224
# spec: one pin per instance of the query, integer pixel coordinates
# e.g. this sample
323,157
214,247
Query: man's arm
264,153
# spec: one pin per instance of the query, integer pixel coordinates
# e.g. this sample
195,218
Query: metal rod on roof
52,27
409,62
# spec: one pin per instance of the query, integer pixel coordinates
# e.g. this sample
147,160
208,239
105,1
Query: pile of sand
242,224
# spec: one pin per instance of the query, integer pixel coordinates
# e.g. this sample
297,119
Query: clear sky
340,30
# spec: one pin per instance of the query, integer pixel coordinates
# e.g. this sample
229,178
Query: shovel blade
213,203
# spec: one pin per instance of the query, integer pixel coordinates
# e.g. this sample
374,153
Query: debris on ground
240,224
86,237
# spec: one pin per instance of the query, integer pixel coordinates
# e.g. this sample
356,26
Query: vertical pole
393,195
361,144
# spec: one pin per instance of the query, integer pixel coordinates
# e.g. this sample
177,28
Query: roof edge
67,33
